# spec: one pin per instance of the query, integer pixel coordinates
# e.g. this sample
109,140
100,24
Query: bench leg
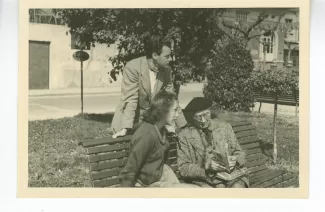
259,109
296,110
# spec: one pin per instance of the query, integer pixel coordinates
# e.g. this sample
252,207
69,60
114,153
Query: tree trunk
177,87
82,84
275,148
55,21
264,57
34,15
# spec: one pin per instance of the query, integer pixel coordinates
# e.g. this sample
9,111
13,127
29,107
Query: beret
198,104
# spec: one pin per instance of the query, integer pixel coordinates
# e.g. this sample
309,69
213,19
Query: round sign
80,56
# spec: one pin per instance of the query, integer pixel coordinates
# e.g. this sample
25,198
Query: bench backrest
285,99
107,155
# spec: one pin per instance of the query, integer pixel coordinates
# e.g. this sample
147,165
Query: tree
229,76
193,31
276,82
45,16
243,29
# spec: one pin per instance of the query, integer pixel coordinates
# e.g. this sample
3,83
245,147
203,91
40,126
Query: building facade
281,47
51,64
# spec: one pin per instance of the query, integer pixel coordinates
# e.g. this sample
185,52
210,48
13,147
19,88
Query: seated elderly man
209,154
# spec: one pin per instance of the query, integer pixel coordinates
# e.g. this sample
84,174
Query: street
67,103
52,107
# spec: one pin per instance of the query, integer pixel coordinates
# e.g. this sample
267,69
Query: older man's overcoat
192,150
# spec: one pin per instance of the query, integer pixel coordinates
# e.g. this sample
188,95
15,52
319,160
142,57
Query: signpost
81,56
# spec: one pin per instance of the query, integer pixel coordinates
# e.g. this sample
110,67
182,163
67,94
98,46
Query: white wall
64,70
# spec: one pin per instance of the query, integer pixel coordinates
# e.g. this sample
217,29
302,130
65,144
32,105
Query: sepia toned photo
202,98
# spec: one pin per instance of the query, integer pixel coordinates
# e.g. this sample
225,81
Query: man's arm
186,168
138,154
130,94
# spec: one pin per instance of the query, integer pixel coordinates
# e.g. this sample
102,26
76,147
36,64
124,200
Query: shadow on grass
100,117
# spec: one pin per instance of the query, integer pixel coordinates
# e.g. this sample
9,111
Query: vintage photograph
163,97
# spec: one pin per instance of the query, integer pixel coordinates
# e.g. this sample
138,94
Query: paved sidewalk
282,109
113,89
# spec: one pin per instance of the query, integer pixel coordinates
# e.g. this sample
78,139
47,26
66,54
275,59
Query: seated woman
146,166
209,154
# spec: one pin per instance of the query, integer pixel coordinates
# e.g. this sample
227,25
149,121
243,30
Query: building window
288,20
295,58
241,16
268,47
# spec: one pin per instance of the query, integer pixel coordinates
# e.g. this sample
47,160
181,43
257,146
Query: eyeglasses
203,114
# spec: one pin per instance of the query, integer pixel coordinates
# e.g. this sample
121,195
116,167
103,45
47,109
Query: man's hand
212,165
232,162
121,133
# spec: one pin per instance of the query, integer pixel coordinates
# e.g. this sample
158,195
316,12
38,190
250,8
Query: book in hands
222,160
231,176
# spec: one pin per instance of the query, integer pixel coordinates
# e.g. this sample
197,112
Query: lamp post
81,56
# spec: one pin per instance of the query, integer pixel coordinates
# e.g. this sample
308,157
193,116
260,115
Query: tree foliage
229,77
275,82
194,32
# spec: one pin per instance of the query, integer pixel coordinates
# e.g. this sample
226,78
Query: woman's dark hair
154,44
159,107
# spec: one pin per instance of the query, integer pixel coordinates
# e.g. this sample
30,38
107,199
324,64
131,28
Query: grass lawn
56,159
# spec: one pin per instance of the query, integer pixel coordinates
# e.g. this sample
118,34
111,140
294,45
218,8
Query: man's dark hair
160,106
154,44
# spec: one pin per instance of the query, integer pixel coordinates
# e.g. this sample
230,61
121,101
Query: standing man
143,78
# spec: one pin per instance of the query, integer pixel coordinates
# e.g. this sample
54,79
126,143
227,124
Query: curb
72,94
114,91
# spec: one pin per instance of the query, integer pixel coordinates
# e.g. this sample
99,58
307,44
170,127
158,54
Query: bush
229,77
275,82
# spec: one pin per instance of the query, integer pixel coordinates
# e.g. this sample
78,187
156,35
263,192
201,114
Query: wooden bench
289,99
107,157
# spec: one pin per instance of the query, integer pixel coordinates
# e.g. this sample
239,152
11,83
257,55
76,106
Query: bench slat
102,141
106,182
106,173
239,123
108,156
250,145
249,139
253,151
172,160
260,174
254,157
275,181
109,148
243,128
172,153
255,163
173,145
266,177
285,184
246,133
107,165
256,169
